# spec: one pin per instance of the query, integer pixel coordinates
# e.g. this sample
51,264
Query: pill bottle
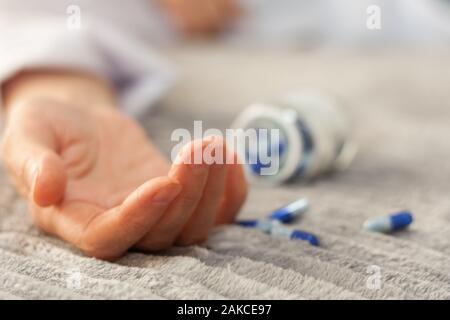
313,137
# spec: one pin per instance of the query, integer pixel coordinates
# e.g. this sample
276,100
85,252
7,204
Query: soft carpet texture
400,106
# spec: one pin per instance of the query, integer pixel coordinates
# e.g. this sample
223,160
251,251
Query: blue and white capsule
393,222
283,232
263,225
275,228
290,212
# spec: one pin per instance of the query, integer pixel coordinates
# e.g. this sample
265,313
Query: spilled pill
290,212
263,225
393,222
302,235
275,228
280,231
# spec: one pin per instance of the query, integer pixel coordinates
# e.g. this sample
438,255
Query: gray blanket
400,105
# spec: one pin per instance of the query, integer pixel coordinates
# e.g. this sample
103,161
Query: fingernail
167,194
33,177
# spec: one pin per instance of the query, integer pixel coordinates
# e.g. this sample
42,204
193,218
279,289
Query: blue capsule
247,223
263,225
290,212
275,228
280,231
393,222
302,235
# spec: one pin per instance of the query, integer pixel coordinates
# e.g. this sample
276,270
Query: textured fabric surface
400,106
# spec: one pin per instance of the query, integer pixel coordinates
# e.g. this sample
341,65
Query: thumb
49,178
35,166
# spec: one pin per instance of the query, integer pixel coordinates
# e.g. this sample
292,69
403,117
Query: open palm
93,178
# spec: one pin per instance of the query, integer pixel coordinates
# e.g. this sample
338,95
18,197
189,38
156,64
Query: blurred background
387,60
294,23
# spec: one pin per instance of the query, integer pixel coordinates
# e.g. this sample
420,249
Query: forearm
80,89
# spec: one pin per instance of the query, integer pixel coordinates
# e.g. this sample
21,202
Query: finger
108,234
197,16
192,176
202,220
50,180
231,9
29,151
235,193
112,233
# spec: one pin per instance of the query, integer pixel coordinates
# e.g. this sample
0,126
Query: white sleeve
44,40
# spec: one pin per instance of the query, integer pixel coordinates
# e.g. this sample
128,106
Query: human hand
201,17
92,178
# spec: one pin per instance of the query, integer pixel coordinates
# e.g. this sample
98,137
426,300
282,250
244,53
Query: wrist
79,89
